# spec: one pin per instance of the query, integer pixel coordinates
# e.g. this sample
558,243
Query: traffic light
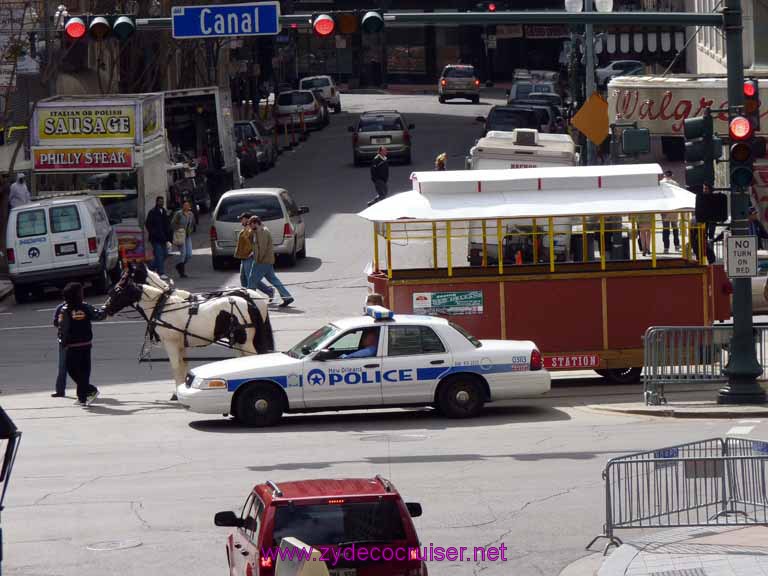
752,103
702,148
742,134
323,25
100,27
491,7
372,22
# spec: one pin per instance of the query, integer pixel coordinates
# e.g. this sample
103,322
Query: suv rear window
459,73
265,207
335,523
294,99
30,223
511,119
315,83
380,124
64,218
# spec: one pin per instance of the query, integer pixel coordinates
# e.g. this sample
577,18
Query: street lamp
589,49
11,436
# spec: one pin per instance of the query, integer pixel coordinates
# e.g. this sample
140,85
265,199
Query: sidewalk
705,551
685,409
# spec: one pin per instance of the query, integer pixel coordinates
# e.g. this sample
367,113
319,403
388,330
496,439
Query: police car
372,361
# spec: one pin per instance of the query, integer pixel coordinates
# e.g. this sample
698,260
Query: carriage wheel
259,405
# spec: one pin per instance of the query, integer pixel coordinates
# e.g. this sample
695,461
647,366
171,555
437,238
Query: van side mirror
414,509
227,518
323,355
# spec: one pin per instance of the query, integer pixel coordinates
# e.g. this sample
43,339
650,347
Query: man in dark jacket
159,228
380,175
77,339
61,377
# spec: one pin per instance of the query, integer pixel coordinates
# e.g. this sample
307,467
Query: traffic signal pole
743,368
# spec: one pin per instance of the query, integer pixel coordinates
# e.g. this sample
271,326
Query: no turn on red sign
742,256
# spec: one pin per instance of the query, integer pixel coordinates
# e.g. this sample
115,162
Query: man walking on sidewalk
264,261
380,175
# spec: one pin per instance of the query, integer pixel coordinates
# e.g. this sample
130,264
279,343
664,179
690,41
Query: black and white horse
183,322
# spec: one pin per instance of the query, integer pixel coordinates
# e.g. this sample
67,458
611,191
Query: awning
533,193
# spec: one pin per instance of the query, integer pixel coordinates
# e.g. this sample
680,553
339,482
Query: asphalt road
130,487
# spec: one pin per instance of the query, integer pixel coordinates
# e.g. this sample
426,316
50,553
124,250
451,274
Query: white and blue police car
376,360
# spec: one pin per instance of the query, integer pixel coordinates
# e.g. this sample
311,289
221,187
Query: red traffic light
491,7
750,89
740,128
324,25
74,28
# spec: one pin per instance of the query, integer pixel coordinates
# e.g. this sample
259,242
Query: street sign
226,20
592,119
491,40
742,256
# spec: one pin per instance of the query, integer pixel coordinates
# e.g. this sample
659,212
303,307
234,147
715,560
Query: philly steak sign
662,104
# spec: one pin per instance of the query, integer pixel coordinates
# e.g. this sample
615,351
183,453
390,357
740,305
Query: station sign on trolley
226,20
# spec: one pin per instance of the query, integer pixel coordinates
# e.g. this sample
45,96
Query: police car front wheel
259,405
460,397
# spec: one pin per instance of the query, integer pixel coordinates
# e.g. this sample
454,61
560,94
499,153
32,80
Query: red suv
361,526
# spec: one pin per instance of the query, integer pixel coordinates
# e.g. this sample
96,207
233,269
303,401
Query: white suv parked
58,240
330,91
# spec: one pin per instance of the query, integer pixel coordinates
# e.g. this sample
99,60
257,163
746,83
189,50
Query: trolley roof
533,193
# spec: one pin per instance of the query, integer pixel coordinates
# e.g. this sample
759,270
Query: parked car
324,104
58,240
616,68
379,128
259,139
458,81
247,153
290,105
367,514
278,211
549,98
508,118
524,88
555,123
330,92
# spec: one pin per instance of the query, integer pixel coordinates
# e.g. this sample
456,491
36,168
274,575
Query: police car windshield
474,341
311,342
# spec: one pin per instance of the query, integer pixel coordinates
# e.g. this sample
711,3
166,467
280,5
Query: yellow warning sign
592,119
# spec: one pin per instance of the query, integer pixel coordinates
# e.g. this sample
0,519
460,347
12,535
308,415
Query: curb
684,412
585,566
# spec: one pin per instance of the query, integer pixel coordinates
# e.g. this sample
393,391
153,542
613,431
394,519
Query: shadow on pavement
115,407
396,420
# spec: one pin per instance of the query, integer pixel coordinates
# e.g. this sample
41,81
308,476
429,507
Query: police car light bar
379,313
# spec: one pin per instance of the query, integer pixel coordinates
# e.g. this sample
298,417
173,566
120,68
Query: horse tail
263,340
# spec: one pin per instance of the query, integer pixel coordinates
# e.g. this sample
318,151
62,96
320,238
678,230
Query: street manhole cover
393,438
111,545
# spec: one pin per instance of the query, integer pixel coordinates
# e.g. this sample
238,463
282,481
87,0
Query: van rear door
68,238
32,244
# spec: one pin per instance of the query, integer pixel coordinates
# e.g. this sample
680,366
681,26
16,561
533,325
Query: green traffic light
742,176
124,26
372,22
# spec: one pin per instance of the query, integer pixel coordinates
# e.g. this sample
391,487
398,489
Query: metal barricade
689,354
712,482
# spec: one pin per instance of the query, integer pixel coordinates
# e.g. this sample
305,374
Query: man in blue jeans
61,377
264,261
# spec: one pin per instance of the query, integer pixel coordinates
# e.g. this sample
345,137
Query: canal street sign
742,256
226,20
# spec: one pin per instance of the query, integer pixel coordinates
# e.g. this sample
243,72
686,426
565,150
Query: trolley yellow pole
375,249
633,238
389,250
500,247
702,245
535,244
434,244
683,236
485,245
602,242
448,247
653,240
584,239
551,244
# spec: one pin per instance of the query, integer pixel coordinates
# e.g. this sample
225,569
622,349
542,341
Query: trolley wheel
460,396
259,405
624,375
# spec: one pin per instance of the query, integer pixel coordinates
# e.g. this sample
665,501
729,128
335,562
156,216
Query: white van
59,240
522,148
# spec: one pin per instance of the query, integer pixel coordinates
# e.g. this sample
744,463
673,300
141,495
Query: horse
181,323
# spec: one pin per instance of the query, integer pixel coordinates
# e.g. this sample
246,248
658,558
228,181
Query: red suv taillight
287,229
92,245
443,82
536,363
213,234
11,256
477,83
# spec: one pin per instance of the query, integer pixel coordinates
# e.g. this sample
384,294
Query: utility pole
589,61
743,368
